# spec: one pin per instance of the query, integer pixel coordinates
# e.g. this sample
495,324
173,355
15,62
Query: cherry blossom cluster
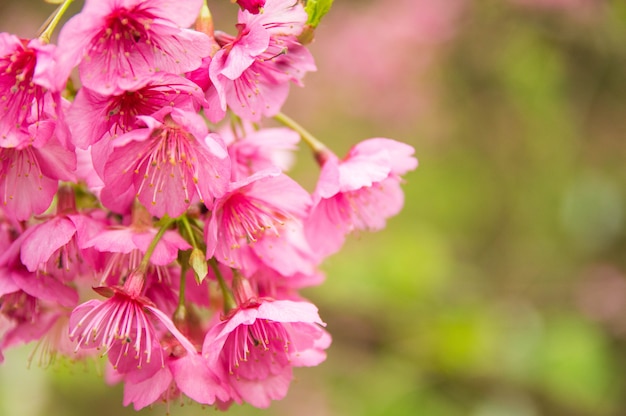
146,215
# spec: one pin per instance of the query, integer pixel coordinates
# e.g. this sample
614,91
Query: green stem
315,145
181,311
145,261
229,300
185,221
52,22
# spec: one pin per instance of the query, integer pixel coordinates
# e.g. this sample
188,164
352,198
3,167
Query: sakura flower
252,218
120,43
22,88
254,150
15,277
185,372
168,165
128,244
48,325
94,116
124,328
279,17
86,172
29,176
357,193
251,73
256,346
32,306
64,234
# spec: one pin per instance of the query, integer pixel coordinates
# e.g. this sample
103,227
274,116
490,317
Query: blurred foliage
500,290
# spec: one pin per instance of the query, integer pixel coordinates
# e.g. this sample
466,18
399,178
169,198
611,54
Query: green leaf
316,9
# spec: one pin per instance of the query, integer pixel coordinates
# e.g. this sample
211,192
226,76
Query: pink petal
56,161
328,224
280,17
244,51
30,330
148,391
260,393
113,241
183,13
356,173
45,287
328,183
280,191
48,237
196,380
386,151
309,343
289,253
374,205
289,311
7,285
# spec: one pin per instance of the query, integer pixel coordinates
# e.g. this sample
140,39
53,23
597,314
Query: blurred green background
500,290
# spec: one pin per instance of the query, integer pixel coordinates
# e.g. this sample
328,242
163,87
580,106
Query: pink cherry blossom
94,116
188,374
279,17
247,222
170,164
252,71
29,176
124,328
14,277
255,348
64,234
128,244
357,193
132,227
32,306
120,43
22,88
48,326
254,150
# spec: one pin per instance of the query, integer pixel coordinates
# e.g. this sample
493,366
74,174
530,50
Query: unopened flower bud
197,261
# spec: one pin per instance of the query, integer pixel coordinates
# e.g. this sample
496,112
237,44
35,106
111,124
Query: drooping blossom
47,323
29,175
185,372
15,277
32,307
119,43
255,348
357,193
94,116
169,164
64,234
253,150
252,71
34,154
126,246
23,89
196,244
252,224
127,327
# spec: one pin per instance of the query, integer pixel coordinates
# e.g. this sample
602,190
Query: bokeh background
501,288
